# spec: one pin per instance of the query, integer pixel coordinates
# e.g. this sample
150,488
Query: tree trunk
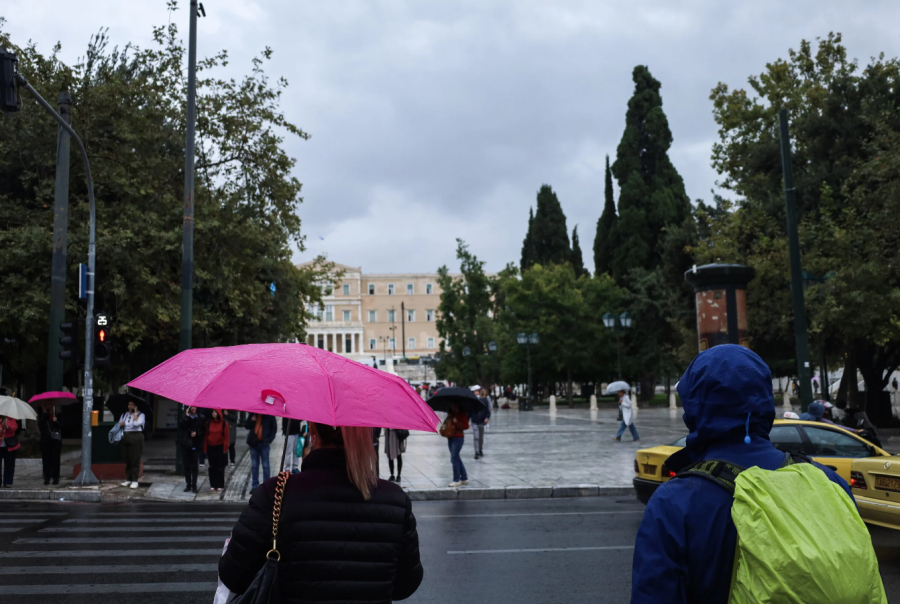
648,387
570,392
875,371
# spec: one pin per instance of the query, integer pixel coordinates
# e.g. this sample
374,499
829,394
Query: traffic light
9,93
68,341
102,343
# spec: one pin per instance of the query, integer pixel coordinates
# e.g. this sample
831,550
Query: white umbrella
16,409
616,386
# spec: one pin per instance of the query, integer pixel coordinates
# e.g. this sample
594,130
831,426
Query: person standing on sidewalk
627,417
51,444
394,447
9,444
191,446
454,429
132,444
263,429
231,418
290,429
215,445
479,421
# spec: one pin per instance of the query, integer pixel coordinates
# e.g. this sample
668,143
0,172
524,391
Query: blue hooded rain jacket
684,552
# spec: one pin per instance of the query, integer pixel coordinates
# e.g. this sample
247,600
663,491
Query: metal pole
403,326
530,400
800,335
619,353
86,477
60,234
823,378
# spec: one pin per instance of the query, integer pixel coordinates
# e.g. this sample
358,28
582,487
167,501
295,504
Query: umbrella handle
284,451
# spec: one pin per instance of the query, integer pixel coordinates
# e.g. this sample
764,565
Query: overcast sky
437,120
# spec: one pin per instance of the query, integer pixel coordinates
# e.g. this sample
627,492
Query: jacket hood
815,412
719,389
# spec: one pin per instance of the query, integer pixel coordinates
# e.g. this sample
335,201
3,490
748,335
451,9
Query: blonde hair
360,452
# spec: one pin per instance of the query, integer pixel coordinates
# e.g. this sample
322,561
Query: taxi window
831,443
681,442
786,439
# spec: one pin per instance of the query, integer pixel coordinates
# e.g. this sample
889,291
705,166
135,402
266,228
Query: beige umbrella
16,409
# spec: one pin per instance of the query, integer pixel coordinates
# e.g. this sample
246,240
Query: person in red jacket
455,425
215,445
9,444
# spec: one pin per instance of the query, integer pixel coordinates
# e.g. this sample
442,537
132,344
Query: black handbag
266,588
402,434
11,441
55,435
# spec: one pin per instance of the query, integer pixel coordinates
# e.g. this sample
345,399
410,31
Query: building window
390,289
372,344
346,289
321,341
429,288
429,315
392,316
410,316
348,344
409,289
373,316
371,289
430,342
411,344
329,313
392,344
346,316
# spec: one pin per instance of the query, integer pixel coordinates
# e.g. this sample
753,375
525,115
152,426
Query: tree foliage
547,240
604,244
577,257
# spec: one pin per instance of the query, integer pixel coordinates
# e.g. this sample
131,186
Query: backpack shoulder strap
719,471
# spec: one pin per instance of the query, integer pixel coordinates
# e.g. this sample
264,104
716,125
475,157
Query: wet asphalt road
498,552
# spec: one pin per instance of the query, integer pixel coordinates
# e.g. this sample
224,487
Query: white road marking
133,529
106,539
540,550
529,514
115,568
144,520
113,553
108,588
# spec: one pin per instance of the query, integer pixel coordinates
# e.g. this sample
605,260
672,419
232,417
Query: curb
84,496
474,493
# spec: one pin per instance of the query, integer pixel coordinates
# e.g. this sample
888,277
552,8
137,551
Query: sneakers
187,489
202,465
127,483
391,479
455,483
231,464
134,485
463,482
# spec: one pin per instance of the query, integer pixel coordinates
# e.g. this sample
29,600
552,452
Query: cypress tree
606,228
651,192
577,258
528,245
550,236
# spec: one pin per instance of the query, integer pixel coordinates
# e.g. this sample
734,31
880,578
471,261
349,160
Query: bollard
552,402
593,402
672,403
786,400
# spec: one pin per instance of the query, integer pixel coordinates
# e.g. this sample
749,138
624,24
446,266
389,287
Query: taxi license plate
649,469
887,483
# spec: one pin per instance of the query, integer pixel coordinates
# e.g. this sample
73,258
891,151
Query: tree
464,321
606,228
577,259
547,239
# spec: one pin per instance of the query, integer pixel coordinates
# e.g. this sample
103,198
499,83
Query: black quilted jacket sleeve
251,539
409,569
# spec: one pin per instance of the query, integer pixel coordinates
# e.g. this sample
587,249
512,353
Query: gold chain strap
276,512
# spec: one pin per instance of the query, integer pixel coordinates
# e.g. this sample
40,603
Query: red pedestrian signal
102,343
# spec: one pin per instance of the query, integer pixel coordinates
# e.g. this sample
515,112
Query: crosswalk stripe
139,513
23,520
133,529
110,553
11,530
27,514
115,568
108,588
142,520
62,540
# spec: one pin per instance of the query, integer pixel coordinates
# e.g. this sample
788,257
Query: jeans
478,437
631,427
459,470
258,453
8,463
291,461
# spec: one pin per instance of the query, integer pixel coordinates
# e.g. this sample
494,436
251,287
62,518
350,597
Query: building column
340,343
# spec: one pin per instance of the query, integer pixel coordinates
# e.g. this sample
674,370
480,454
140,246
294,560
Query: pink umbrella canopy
290,380
53,398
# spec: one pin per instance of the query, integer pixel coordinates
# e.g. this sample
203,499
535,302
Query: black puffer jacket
334,546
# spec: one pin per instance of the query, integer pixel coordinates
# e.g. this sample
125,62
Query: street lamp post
527,340
618,325
492,348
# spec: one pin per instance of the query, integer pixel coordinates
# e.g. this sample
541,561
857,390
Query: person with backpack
453,429
733,525
479,420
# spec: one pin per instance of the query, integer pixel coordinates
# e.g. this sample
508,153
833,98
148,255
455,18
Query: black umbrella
463,397
118,404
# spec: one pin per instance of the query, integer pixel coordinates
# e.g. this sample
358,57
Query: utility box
720,294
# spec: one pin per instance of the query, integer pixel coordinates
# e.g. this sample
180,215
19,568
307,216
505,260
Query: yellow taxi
829,445
875,484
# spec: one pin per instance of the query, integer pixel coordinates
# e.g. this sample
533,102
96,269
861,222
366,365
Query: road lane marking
27,514
529,514
138,513
540,550
11,530
115,568
23,520
111,553
152,520
105,539
133,529
107,588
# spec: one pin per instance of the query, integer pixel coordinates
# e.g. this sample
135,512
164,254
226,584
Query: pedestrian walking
215,445
132,444
479,420
51,444
290,428
343,534
192,426
453,429
394,447
705,533
9,444
262,432
231,418
627,412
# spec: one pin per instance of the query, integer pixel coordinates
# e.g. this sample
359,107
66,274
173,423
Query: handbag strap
276,512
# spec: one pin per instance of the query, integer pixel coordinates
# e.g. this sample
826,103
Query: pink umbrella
53,398
290,380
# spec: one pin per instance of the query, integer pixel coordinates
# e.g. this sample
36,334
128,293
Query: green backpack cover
800,537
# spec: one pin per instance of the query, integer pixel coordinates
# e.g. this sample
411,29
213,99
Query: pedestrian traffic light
102,343
9,92
68,352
